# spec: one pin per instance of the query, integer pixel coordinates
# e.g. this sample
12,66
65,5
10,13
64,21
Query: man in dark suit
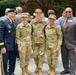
7,42
69,39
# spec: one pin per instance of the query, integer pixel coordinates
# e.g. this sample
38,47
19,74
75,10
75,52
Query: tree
7,4
30,5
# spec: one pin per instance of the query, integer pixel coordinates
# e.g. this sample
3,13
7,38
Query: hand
3,50
57,49
19,49
75,50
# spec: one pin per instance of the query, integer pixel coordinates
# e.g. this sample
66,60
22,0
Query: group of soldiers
40,34
36,36
40,38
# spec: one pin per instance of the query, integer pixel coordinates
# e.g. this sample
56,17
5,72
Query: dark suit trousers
11,56
65,56
17,53
72,57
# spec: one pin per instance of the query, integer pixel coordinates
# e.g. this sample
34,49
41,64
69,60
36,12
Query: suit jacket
18,19
7,34
69,35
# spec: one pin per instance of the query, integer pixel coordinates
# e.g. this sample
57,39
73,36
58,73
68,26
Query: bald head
18,9
68,9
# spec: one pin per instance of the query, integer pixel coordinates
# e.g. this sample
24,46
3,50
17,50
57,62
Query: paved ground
45,67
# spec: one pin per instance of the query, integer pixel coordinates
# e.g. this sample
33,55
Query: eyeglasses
68,11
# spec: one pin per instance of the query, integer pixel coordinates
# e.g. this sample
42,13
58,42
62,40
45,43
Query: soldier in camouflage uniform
53,43
23,35
38,40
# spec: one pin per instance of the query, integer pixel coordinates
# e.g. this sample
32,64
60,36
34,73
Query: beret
11,10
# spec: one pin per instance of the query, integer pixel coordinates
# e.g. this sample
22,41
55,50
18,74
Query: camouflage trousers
1,65
25,56
39,52
52,56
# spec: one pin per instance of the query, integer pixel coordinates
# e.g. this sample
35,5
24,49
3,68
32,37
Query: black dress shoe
65,72
10,73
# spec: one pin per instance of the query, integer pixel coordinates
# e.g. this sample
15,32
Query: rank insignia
2,20
9,31
9,26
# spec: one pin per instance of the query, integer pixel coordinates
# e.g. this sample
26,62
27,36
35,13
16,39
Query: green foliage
59,7
74,11
8,4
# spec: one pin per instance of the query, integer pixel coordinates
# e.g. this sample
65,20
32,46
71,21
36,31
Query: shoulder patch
2,20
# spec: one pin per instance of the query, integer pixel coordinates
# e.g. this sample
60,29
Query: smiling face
24,19
51,20
38,15
12,15
68,12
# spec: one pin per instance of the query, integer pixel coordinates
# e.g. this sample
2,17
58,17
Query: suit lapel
69,23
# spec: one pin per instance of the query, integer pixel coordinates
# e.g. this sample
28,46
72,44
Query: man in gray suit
64,51
69,38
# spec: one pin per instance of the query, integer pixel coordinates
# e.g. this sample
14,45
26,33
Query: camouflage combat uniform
38,41
53,40
53,43
23,34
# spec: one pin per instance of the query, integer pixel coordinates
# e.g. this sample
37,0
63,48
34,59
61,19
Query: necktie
12,23
65,24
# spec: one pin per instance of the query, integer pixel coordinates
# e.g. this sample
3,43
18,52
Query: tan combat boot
26,69
40,72
36,70
49,71
52,71
23,71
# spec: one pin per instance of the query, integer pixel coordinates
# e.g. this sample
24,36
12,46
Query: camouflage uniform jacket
23,34
38,28
53,35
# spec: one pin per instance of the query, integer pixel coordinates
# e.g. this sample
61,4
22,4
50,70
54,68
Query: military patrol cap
11,10
27,13
52,17
38,11
24,15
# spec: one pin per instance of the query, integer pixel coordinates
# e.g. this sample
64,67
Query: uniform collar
26,24
51,26
38,20
9,19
